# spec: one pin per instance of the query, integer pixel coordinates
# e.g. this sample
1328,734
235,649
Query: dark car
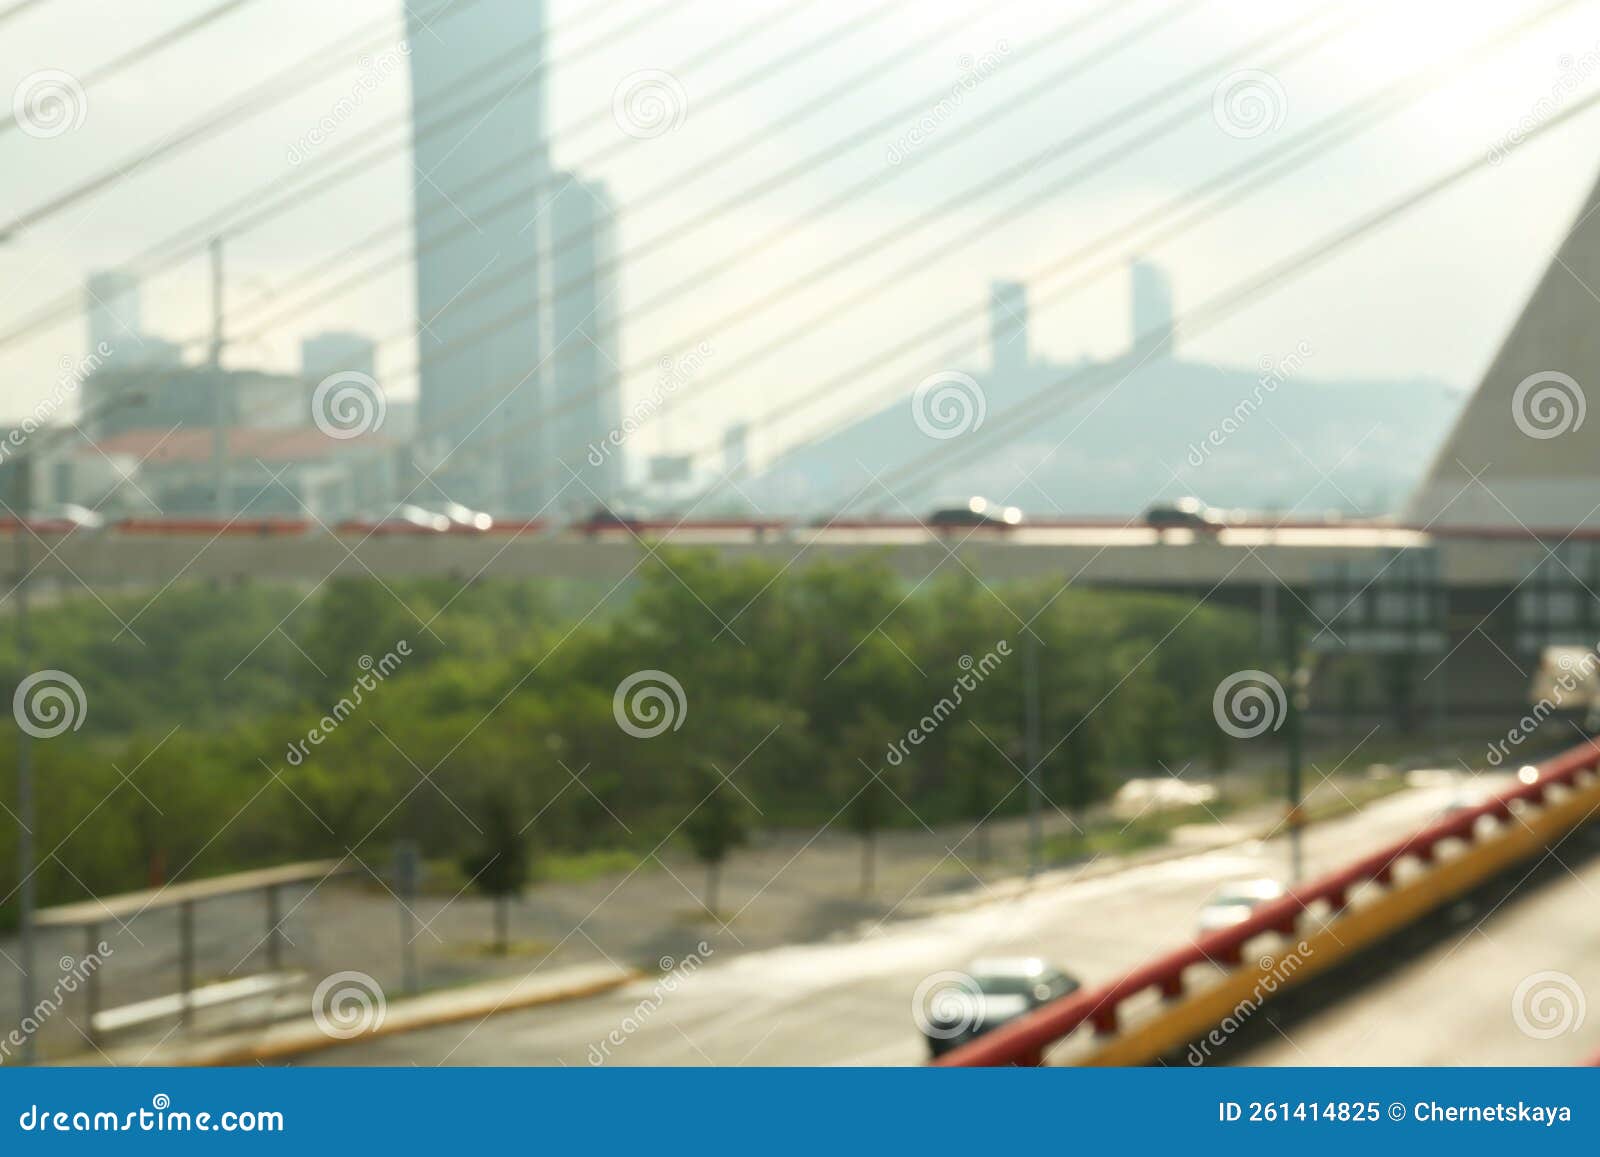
975,512
963,1006
603,518
1183,514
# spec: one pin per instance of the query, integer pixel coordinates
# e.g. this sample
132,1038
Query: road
848,1002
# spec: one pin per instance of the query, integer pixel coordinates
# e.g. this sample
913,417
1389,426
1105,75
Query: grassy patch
576,867
1113,837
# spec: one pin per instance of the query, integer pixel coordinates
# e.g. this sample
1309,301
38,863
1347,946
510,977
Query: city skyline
1477,297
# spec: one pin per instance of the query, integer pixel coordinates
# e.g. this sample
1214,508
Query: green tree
714,828
499,866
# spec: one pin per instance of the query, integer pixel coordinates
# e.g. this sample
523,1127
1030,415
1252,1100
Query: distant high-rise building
736,450
1008,327
1151,309
336,353
478,132
111,304
583,390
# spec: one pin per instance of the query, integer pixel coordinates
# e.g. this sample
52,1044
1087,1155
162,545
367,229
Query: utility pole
1030,675
219,401
1296,703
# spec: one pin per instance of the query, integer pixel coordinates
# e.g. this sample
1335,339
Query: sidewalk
288,1039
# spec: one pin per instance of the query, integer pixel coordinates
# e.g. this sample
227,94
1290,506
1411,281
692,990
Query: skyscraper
478,127
583,395
1008,327
1151,320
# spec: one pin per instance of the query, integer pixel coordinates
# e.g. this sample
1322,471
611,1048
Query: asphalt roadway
849,1001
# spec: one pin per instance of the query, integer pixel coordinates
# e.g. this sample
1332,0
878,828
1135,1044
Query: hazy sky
1430,296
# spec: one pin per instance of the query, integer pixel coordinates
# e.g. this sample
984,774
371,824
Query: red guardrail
1024,1041
262,527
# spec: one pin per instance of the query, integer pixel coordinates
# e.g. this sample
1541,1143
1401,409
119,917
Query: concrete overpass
1093,553
1456,616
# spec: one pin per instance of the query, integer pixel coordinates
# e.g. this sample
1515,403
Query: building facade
582,401
479,146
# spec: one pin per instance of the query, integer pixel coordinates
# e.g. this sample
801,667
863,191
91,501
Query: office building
1151,320
582,399
478,126
1008,327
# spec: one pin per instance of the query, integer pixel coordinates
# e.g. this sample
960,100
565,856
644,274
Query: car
989,994
1183,514
464,518
1233,903
404,519
60,518
610,518
975,511
79,516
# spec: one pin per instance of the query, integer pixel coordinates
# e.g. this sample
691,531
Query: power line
817,212
143,52
1310,144
18,9
1113,120
193,239
242,107
518,198
1219,307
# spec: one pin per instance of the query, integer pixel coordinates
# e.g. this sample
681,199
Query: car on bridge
1187,513
610,518
975,511
464,519
403,519
991,993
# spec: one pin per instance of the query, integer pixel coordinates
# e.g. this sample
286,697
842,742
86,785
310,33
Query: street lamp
22,503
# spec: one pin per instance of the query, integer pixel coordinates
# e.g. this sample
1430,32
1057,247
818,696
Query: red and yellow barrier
1455,854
